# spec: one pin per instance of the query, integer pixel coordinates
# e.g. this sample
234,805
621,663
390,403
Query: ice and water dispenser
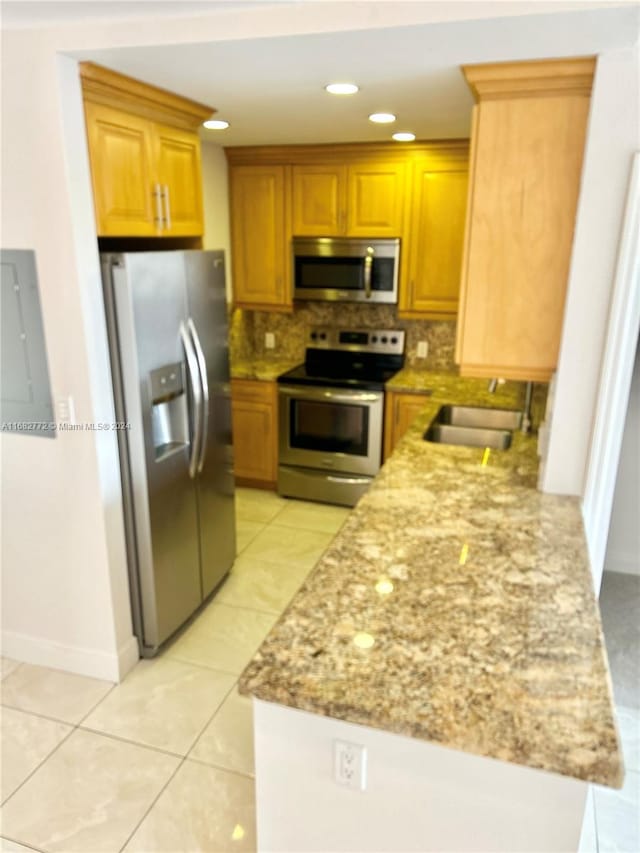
169,409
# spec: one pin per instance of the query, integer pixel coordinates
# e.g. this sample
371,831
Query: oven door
331,429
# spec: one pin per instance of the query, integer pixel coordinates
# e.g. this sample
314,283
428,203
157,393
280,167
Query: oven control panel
387,341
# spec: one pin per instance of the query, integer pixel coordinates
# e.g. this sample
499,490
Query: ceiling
271,90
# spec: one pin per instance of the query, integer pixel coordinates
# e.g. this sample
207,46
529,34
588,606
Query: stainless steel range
331,412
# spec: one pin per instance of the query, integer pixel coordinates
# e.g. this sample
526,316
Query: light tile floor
164,761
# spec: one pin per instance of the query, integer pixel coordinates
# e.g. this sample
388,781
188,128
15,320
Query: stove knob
323,336
384,339
314,336
374,339
394,340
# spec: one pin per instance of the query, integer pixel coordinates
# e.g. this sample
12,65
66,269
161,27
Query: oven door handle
307,393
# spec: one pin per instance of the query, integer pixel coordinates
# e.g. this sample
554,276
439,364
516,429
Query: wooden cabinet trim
104,86
442,151
543,77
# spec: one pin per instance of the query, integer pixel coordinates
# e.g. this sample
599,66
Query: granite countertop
265,369
456,606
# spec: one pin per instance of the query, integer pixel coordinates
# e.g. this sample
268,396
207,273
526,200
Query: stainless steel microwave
346,269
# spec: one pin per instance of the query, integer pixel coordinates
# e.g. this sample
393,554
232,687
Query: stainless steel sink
473,426
479,416
498,439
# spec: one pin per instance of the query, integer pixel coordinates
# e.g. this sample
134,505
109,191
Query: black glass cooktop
357,371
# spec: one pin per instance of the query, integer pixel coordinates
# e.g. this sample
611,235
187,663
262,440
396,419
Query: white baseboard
625,562
90,662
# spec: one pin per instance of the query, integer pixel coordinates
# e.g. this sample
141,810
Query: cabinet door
258,240
319,198
254,431
400,412
434,244
120,150
526,178
375,200
178,171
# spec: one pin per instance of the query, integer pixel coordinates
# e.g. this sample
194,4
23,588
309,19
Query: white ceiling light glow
404,137
215,124
382,118
341,88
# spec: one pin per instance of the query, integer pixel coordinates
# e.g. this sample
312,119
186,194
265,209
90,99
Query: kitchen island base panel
418,796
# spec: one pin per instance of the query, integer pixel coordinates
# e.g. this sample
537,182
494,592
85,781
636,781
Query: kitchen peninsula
451,630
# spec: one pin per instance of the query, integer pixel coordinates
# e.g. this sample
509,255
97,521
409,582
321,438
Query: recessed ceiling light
404,137
341,88
215,124
382,118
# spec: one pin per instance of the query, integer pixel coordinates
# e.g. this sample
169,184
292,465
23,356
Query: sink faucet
493,384
526,411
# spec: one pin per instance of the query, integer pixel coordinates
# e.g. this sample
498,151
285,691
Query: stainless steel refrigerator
168,337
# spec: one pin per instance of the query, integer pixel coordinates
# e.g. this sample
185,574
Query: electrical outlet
350,765
269,340
423,349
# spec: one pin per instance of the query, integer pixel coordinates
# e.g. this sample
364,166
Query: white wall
215,192
65,591
613,137
623,545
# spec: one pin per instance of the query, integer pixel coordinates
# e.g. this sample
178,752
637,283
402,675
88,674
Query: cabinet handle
157,196
167,207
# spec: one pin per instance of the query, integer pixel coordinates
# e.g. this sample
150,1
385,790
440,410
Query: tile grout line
211,718
121,739
15,669
252,609
22,844
39,715
221,767
153,802
39,765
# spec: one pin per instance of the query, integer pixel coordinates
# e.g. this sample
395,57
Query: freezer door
207,305
157,365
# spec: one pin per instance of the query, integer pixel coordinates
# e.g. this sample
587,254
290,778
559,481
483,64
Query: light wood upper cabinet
355,200
527,147
120,147
259,241
145,157
280,192
433,248
375,200
255,419
319,199
177,155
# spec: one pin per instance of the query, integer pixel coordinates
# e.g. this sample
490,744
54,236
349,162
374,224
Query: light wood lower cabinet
255,432
400,410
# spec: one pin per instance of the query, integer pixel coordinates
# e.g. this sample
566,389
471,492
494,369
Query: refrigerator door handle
196,393
202,365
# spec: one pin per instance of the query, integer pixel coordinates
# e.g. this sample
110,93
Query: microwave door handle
368,264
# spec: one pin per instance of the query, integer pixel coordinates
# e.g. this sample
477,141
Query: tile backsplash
248,329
